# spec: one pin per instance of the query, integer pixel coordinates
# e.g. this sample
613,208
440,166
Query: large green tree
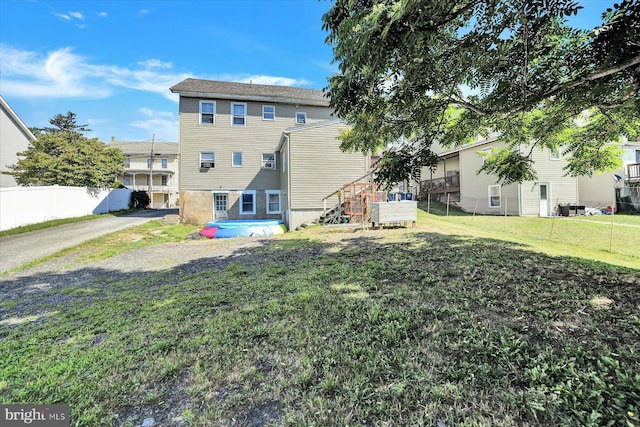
62,155
445,71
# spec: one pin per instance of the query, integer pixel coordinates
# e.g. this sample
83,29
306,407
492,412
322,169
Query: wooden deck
449,184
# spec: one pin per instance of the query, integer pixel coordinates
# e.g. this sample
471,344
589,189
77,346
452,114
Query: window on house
221,201
273,201
238,114
248,202
207,160
301,118
127,180
495,196
236,159
485,152
207,112
268,112
127,162
148,163
554,154
164,163
163,180
268,160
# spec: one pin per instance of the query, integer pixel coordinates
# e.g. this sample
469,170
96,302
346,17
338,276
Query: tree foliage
62,155
448,71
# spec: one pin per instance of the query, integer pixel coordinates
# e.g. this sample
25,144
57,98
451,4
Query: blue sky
113,62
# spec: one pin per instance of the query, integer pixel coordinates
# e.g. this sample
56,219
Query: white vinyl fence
31,205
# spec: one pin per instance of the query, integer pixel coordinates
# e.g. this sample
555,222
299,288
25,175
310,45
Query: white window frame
304,115
499,195
264,112
233,154
126,180
271,193
554,154
233,115
485,150
164,180
215,204
253,194
127,162
264,162
149,160
213,161
164,163
207,101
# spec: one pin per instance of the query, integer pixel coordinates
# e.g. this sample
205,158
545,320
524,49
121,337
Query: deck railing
633,172
446,184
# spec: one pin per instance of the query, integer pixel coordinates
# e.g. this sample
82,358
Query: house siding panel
474,186
257,137
319,168
561,189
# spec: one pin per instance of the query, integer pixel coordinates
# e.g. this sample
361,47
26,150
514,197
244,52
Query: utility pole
153,140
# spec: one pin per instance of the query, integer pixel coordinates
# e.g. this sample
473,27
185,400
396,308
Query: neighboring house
15,137
151,166
456,179
252,151
605,189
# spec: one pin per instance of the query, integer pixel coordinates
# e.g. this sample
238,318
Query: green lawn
446,323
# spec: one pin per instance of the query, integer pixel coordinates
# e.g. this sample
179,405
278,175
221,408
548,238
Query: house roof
250,92
17,119
144,147
454,151
298,128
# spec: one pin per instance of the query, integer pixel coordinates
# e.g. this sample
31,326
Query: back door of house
544,199
220,206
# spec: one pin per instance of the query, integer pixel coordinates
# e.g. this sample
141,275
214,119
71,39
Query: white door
220,205
544,200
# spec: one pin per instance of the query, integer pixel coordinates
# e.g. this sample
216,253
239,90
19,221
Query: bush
139,199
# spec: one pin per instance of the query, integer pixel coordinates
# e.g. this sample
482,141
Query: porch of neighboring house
633,172
159,190
628,196
443,187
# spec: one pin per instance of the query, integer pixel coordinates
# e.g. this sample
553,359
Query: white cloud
155,63
69,16
143,12
161,123
62,73
103,14
273,80
63,16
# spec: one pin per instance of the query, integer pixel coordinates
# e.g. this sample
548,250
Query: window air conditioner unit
206,165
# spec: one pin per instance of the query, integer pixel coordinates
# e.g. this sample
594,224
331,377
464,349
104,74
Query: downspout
287,165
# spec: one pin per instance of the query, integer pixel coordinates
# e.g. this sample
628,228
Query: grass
593,238
392,327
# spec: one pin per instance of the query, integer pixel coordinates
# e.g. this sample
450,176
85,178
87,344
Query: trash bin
563,209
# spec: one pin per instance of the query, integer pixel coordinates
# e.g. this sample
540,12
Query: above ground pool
238,227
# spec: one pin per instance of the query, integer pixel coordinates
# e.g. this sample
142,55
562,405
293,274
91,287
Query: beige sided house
622,185
15,137
151,166
456,178
252,151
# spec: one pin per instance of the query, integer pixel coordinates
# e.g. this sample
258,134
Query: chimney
113,138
